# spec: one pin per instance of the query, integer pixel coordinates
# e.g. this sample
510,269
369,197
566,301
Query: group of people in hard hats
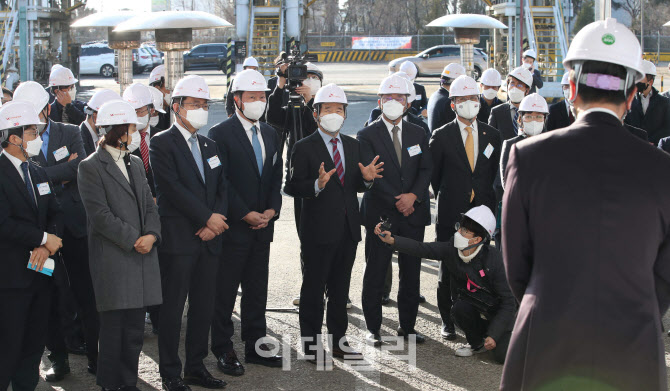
120,208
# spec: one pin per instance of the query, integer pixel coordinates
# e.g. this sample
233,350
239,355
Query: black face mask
641,87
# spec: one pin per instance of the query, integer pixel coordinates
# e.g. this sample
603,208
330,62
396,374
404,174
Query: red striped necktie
144,151
338,161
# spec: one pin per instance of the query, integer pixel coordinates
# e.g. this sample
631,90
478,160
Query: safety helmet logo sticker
608,39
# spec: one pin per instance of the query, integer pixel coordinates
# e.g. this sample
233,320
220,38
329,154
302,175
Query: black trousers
444,302
121,338
181,276
468,319
327,271
297,211
378,260
245,264
23,331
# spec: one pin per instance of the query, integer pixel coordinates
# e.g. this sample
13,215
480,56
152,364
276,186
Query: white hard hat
393,84
311,68
193,86
648,67
33,93
453,70
530,53
523,75
565,81
410,85
156,74
534,103
157,99
249,80
606,41
116,112
250,62
17,113
483,216
138,95
491,78
61,76
464,86
101,97
330,93
56,66
409,68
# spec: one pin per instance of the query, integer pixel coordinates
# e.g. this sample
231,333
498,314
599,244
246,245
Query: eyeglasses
464,231
461,99
142,111
386,99
197,106
518,85
529,117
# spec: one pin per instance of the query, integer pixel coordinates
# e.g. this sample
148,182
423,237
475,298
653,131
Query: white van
96,59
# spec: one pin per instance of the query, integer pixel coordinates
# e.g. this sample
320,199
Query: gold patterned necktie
396,144
470,151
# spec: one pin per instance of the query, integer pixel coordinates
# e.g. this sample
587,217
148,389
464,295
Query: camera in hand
296,72
386,225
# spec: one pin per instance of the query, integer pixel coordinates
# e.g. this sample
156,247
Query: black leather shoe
386,299
420,338
92,367
229,364
252,357
204,379
448,332
344,351
58,370
175,384
374,339
75,346
422,299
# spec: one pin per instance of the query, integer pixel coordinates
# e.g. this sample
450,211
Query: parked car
141,60
432,61
96,59
205,56
156,57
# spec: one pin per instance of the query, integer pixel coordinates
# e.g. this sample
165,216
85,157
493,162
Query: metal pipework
174,42
124,43
467,38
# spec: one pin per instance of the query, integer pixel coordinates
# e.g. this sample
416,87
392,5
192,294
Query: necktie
196,155
144,151
338,161
26,179
256,144
515,121
470,151
396,144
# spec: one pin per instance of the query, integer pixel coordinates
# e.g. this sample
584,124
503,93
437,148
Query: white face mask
73,92
34,147
460,241
393,110
490,94
331,123
153,121
533,128
566,94
167,98
135,140
197,118
515,95
313,84
467,109
254,110
143,121
527,65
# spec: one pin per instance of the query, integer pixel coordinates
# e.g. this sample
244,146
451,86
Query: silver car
432,61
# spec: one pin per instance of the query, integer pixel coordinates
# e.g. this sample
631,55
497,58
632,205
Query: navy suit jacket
75,112
185,201
439,109
501,120
656,121
248,189
558,116
89,145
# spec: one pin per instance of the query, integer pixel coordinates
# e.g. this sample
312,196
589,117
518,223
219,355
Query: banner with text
381,43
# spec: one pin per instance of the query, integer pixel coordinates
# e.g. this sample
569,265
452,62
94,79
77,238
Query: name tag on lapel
274,159
214,162
415,150
488,151
43,188
61,153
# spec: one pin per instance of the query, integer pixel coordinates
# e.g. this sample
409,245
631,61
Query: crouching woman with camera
484,307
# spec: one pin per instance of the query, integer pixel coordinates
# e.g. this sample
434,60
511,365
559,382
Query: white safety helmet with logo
250,62
157,99
138,95
100,98
465,86
533,103
330,93
649,68
530,53
61,76
410,86
192,86
453,70
409,68
394,84
523,75
33,93
483,216
249,80
491,78
157,74
19,114
115,112
313,69
565,80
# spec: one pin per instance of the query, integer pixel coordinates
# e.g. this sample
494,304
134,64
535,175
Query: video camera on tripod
295,74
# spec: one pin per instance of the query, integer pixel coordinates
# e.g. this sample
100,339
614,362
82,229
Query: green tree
585,16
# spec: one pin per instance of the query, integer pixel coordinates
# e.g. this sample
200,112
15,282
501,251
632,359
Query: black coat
570,219
279,117
61,171
409,117
421,101
185,203
163,120
453,180
439,109
75,112
657,119
22,224
87,139
489,260
247,189
413,176
558,117
537,81
504,156
485,109
326,217
501,119
664,144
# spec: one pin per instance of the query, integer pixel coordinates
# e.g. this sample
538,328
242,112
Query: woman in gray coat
123,230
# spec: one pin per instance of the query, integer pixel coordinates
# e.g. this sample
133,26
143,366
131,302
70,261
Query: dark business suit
439,109
664,144
246,251
537,81
87,139
453,182
558,117
409,117
412,176
188,265
164,119
25,295
656,121
504,156
485,109
63,175
329,233
74,112
617,290
501,120
421,101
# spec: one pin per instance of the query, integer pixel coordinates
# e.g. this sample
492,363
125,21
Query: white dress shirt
94,134
117,156
17,164
645,101
187,135
329,146
247,128
390,126
475,136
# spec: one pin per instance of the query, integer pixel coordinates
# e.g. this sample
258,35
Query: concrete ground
435,367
